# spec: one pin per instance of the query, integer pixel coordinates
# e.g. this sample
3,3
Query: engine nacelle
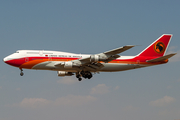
97,58
68,64
64,73
94,58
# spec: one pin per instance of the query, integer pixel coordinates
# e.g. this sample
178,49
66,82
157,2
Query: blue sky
83,26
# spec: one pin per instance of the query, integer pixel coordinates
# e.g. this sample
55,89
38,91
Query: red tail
158,47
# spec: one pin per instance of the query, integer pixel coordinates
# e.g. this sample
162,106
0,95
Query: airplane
83,65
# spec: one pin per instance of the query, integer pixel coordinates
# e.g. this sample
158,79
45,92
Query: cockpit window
17,51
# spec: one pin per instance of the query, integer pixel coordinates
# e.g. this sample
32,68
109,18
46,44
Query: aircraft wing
93,61
118,50
106,56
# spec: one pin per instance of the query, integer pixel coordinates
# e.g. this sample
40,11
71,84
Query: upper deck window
47,53
32,52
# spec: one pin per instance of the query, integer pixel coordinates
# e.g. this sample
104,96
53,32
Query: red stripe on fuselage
29,62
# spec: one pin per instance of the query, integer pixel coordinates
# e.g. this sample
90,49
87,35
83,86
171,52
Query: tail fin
158,47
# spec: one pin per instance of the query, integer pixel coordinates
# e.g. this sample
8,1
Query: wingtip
173,53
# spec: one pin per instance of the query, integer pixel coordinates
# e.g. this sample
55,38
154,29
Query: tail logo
159,47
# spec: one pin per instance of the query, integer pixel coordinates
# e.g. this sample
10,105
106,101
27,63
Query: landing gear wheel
21,74
79,79
78,76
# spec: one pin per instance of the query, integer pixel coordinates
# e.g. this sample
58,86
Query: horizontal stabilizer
162,58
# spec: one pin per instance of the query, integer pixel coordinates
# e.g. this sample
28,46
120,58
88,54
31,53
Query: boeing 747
83,65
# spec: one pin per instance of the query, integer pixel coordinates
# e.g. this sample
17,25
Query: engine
97,58
94,58
64,73
68,64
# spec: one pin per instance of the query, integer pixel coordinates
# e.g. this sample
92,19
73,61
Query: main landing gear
84,74
21,73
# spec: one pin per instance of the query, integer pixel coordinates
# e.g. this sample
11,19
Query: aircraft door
138,61
41,53
26,59
50,58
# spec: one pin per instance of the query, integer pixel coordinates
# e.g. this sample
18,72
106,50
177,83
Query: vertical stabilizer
158,47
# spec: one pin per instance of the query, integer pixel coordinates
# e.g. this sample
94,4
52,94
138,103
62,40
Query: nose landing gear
21,73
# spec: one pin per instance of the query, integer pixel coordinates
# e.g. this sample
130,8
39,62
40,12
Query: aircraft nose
5,59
